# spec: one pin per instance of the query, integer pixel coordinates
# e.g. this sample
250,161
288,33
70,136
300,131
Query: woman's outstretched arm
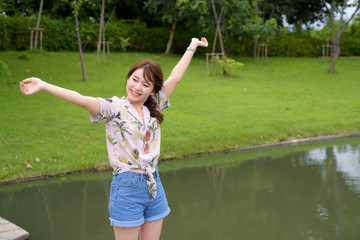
33,85
180,68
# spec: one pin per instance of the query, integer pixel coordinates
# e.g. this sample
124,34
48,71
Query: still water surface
309,191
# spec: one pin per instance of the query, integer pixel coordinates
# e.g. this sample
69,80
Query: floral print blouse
131,143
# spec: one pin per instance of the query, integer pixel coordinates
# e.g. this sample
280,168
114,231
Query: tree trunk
172,33
255,48
216,32
79,45
335,55
214,43
336,43
171,37
341,28
38,23
220,37
104,44
101,25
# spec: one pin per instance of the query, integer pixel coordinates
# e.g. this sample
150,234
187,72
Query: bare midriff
139,170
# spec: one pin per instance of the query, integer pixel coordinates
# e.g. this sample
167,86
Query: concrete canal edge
300,141
10,231
277,144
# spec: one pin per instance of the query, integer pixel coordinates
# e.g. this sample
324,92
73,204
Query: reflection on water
295,192
344,158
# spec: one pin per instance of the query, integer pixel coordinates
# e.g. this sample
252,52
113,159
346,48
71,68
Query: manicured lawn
287,98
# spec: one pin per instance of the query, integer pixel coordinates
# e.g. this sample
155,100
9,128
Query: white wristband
191,49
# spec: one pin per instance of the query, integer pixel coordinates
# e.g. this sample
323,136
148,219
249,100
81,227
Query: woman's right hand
31,85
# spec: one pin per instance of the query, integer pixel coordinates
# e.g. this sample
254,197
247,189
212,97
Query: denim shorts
130,203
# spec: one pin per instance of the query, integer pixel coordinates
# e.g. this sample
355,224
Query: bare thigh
147,231
151,230
126,233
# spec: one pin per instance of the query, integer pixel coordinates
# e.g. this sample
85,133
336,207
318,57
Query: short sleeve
109,109
162,101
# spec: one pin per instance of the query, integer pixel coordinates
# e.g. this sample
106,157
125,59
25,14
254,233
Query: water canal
307,191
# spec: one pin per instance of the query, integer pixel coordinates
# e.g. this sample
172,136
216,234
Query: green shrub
60,35
239,46
21,34
291,44
141,37
4,33
183,37
15,34
232,66
4,70
350,40
124,43
24,57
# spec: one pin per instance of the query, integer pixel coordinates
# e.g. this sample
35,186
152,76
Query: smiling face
138,88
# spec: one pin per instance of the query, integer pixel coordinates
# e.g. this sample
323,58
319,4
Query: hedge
60,35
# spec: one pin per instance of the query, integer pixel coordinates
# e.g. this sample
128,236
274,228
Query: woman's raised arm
180,68
33,85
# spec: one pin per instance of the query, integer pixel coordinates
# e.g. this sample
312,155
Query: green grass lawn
287,98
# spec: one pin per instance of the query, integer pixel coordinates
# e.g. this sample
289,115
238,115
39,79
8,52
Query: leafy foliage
124,43
232,65
294,44
296,12
185,11
242,23
350,40
4,70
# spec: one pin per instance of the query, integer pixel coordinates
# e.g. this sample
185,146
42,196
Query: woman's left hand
195,42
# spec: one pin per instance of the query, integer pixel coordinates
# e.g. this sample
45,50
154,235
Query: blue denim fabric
130,203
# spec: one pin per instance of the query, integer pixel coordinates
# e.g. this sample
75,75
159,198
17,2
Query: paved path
9,231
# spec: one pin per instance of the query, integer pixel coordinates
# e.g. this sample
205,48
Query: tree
218,30
270,9
76,4
297,12
54,8
172,31
175,11
335,41
170,15
38,21
102,29
303,12
101,26
17,8
79,46
259,28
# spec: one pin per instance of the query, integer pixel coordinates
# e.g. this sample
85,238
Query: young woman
137,203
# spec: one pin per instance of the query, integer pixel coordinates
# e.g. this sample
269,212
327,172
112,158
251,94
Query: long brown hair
154,74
